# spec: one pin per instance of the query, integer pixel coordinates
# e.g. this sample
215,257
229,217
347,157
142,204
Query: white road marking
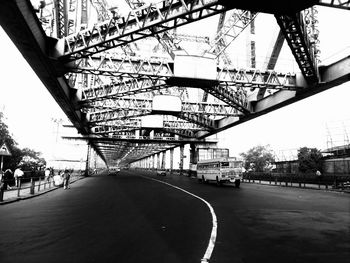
213,235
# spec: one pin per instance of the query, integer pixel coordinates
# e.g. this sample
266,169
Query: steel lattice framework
138,24
106,65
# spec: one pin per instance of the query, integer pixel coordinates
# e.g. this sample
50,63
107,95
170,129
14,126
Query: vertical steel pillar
193,160
181,159
158,161
87,160
251,45
163,160
171,160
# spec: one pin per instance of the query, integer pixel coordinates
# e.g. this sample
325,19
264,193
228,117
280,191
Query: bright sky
29,107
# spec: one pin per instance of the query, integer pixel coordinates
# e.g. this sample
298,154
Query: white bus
220,170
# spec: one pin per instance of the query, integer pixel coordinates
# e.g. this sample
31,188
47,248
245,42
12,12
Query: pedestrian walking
47,174
7,178
18,176
66,177
318,174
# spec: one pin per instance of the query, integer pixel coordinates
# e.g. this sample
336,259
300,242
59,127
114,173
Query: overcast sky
29,107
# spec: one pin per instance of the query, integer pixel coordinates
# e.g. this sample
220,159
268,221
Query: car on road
113,171
161,172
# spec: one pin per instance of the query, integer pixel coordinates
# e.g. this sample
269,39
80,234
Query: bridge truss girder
123,114
137,25
204,108
124,87
295,32
24,30
155,68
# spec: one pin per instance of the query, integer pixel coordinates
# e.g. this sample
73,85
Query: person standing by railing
47,174
7,179
66,177
18,176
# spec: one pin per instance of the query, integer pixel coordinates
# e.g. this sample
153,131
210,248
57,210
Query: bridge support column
181,159
149,162
193,160
158,161
171,160
163,160
87,160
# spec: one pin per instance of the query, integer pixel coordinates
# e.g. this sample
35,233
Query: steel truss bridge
134,84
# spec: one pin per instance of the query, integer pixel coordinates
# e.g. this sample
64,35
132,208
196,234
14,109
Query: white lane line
213,235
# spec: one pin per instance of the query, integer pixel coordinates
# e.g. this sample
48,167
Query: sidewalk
40,188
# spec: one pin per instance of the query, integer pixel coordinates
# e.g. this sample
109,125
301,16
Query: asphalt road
129,218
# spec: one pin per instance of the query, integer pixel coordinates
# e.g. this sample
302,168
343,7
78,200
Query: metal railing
307,180
29,186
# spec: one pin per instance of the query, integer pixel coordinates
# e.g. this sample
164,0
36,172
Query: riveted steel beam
161,68
135,139
124,87
204,108
230,30
296,34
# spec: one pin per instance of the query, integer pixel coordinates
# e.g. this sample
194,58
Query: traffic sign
4,150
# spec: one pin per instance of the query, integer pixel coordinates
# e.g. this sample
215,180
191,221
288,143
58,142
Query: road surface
130,218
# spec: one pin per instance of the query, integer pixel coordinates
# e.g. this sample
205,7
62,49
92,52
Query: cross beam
205,108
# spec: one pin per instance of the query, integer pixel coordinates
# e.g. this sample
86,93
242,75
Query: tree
5,136
26,158
310,160
31,160
258,159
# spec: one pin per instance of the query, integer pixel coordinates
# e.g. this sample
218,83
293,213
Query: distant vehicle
113,170
220,170
161,172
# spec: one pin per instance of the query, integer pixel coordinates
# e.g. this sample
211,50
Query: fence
299,180
28,186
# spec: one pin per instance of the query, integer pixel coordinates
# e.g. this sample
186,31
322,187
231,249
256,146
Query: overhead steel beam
155,68
21,24
230,30
330,76
132,139
123,88
136,25
103,116
205,108
101,9
121,114
270,6
61,18
137,125
236,99
272,56
341,4
296,34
